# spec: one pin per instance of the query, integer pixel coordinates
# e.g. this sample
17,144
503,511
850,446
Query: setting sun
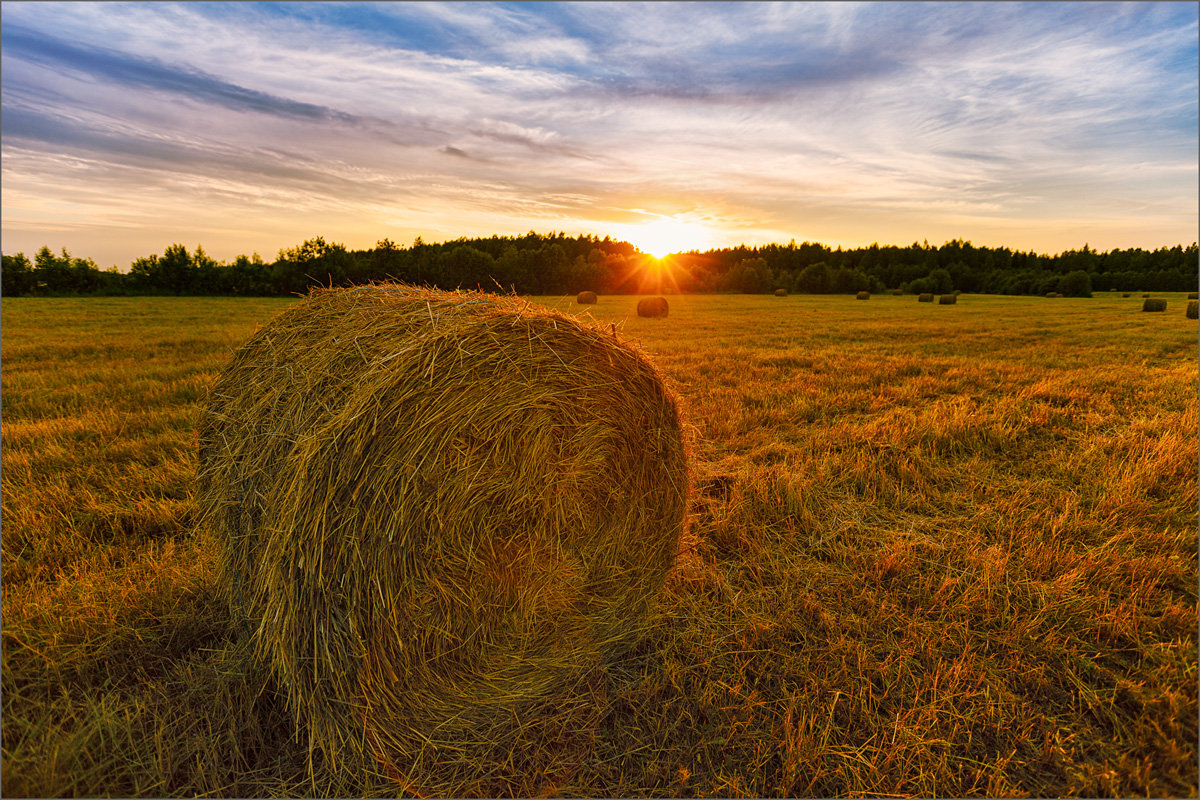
668,235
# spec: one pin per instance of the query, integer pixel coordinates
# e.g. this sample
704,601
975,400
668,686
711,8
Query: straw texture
436,510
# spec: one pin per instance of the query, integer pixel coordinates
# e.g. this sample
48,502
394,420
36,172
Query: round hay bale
436,510
586,298
1193,296
1154,304
947,299
781,292
1052,294
897,292
1192,307
1125,294
926,297
652,307
864,296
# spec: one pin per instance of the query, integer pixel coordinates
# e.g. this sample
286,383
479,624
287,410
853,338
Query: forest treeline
559,264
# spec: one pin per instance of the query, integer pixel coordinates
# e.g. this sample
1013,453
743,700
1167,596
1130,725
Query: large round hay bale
897,292
948,299
435,510
1192,307
652,307
1154,304
781,292
925,297
586,298
863,296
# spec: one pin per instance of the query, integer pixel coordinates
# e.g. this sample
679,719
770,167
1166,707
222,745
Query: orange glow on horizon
665,235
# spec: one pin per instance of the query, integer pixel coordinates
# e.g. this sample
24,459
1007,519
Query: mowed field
933,551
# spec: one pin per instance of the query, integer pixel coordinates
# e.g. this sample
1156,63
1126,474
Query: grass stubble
950,554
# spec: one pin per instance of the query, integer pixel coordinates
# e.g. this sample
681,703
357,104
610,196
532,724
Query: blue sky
252,126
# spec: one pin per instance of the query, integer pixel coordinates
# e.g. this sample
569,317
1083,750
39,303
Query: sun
665,235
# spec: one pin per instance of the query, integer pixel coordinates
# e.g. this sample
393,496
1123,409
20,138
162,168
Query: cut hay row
652,307
586,298
1154,304
437,509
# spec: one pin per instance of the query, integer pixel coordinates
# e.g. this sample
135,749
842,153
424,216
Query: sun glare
669,235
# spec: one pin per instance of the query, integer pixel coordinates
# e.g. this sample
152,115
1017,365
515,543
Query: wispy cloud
1035,125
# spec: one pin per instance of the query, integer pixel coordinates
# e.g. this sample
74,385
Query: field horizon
933,550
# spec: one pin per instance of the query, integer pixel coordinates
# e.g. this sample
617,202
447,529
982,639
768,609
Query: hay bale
435,510
926,297
1125,294
947,299
1192,307
1053,294
896,292
864,295
1154,304
1193,296
586,298
652,307
1146,295
781,292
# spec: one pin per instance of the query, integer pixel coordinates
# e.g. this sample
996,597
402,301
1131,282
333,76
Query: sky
250,127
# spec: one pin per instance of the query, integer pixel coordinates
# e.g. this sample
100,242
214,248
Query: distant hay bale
1192,307
1145,295
585,298
437,510
1125,294
947,300
1053,294
1154,304
1193,296
897,292
926,297
652,307
781,292
864,295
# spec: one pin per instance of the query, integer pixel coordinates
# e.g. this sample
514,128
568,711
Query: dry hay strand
781,292
1193,307
438,511
1193,296
586,298
927,297
1154,304
948,299
652,307
863,296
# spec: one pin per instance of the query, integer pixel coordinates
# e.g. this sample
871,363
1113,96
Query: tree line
559,264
